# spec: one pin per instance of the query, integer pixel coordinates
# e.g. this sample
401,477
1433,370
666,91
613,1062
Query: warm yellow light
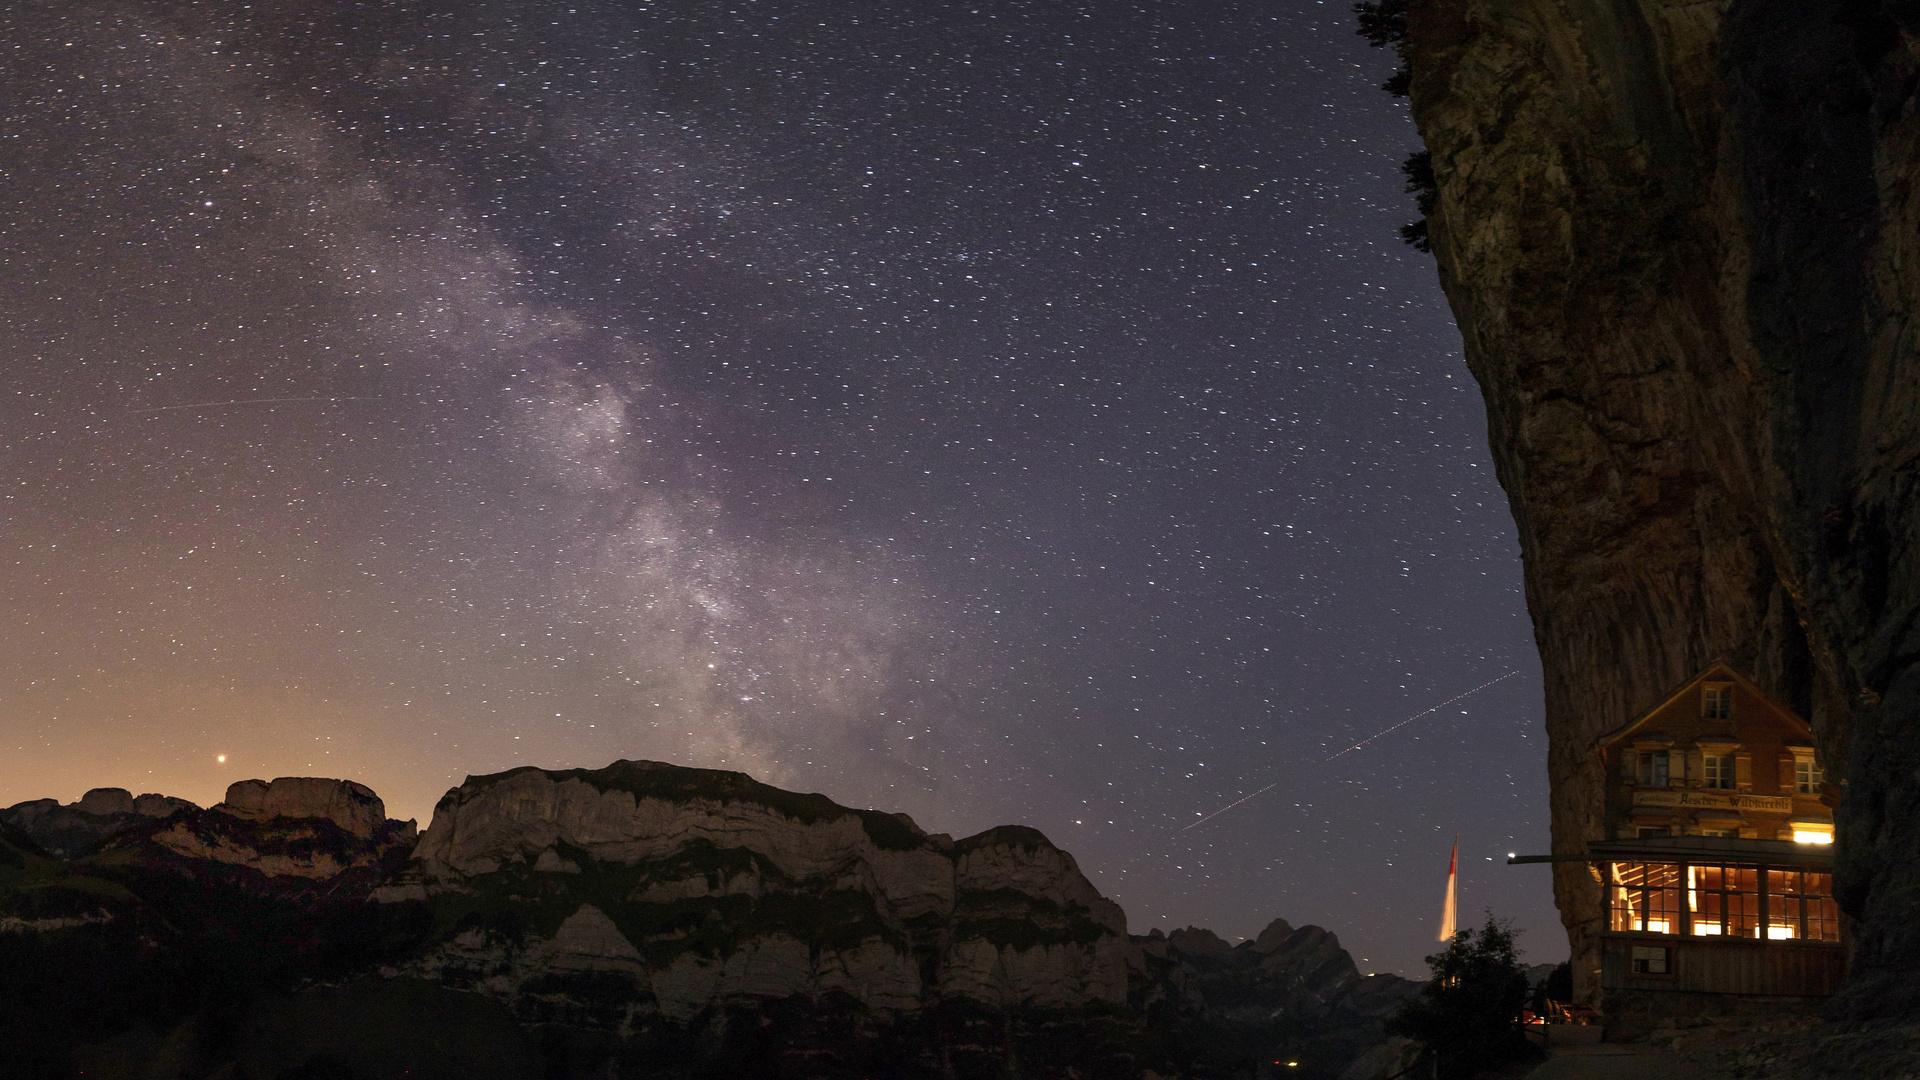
222,759
1657,926
1779,933
1704,929
1801,836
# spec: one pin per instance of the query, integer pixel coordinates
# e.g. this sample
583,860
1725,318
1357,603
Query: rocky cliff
353,807
641,920
692,887
1291,994
1680,238
70,829
295,826
134,933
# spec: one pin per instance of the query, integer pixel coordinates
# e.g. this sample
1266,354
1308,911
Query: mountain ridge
643,919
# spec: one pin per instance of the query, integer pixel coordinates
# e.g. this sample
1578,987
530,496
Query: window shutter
1743,771
1786,774
1695,769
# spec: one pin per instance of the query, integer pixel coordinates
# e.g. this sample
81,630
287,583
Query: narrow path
1607,1061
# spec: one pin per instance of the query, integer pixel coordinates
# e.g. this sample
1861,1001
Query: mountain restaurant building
1717,866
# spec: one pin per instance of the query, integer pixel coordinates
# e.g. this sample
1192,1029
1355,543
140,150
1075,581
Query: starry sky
1000,412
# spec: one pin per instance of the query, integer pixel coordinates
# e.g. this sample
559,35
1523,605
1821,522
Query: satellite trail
247,401
1356,746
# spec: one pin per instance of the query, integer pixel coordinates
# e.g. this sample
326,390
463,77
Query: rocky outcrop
102,801
353,807
1291,990
310,827
1680,242
639,920
129,925
1290,971
313,846
300,827
693,888
98,816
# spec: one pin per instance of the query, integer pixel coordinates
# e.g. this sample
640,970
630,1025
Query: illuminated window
1724,900
1808,776
1811,832
1800,905
1649,960
1716,770
1644,897
1653,769
1717,703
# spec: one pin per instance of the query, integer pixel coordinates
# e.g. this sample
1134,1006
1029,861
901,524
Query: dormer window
1716,702
1653,768
1808,776
1716,771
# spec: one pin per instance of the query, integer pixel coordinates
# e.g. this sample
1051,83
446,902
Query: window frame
1815,777
1716,701
1783,896
1798,901
1727,896
1718,771
1646,897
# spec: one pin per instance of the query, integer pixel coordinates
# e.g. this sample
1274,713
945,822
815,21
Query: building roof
1717,671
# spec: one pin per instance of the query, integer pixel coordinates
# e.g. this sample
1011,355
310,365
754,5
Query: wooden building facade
1717,863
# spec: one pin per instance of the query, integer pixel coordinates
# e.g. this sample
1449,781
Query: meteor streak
1358,745
246,401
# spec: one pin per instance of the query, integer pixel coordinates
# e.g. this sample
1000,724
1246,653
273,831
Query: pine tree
1384,24
1468,1017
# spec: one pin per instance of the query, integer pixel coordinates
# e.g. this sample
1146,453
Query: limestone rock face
480,827
354,807
693,888
1198,941
102,801
1021,860
293,828
99,815
305,847
1682,242
638,916
161,806
1298,977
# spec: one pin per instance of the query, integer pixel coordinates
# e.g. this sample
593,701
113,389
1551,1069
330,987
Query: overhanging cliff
1682,242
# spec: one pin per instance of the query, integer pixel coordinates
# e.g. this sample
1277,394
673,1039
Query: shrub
1468,1017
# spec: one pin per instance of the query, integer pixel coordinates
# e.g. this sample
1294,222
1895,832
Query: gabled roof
1718,671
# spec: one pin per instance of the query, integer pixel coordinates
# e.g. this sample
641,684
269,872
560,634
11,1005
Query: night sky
1000,412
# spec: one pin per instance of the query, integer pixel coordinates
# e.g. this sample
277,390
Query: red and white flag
1447,912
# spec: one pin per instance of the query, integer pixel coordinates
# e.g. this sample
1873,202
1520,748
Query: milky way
1000,412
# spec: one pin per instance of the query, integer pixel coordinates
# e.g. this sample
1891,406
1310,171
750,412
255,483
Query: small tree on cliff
1468,1017
1384,24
